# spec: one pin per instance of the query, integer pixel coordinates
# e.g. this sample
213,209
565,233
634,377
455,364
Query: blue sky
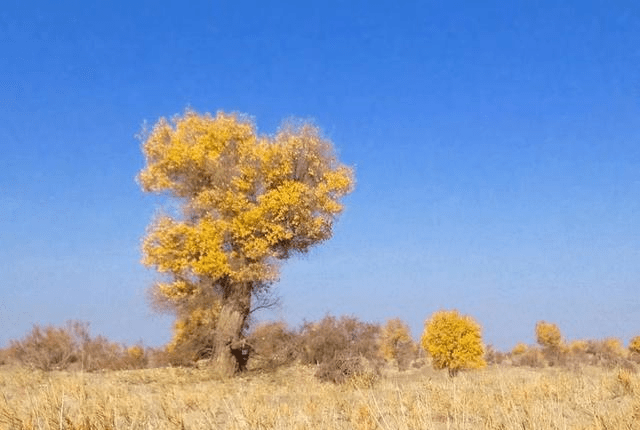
495,147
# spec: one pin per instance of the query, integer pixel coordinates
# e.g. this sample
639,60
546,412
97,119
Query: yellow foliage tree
614,347
519,349
396,343
548,335
634,345
246,202
453,341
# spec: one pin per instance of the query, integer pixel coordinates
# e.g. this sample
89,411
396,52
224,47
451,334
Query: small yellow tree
454,341
396,343
519,349
634,345
548,335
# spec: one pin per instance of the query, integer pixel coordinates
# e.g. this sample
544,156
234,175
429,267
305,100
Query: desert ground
497,397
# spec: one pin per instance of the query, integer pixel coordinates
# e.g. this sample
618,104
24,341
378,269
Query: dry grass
292,398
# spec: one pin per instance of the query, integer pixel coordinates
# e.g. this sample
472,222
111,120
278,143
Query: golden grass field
292,398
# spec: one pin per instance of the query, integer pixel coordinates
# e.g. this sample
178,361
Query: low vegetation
338,372
293,398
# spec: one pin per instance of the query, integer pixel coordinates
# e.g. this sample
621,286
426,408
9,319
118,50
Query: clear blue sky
496,147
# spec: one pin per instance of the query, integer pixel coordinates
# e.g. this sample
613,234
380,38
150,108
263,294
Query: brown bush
356,370
332,338
530,356
4,356
343,348
47,348
493,356
608,353
72,347
273,345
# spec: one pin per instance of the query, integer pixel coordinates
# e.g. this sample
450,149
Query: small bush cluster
552,350
342,349
72,347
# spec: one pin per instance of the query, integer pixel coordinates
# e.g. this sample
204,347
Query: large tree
246,202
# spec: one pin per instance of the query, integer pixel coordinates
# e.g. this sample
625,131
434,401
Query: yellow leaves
185,155
193,324
176,290
393,337
548,335
453,341
181,248
248,200
634,345
519,349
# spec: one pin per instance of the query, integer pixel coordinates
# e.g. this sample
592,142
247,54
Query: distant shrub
608,352
157,357
531,357
549,338
634,345
273,345
333,337
71,347
548,335
519,349
338,347
356,370
453,341
493,356
578,347
46,348
136,357
396,344
614,347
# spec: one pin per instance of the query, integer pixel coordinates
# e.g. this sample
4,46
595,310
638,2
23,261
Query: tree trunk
230,349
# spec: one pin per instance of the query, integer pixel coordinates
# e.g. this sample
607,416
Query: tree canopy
247,201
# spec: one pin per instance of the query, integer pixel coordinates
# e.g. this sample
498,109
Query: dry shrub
531,357
453,341
47,348
578,347
339,346
356,370
608,352
493,356
519,349
72,347
332,338
396,344
273,345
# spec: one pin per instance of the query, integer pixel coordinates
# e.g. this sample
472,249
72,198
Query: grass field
292,398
